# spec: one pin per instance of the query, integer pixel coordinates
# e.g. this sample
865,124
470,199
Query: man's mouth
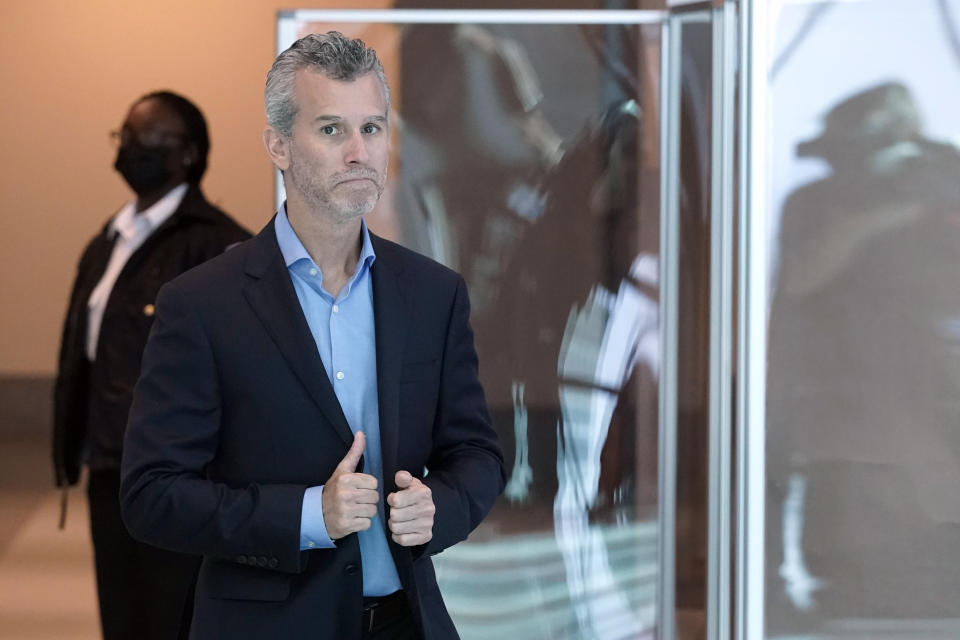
356,179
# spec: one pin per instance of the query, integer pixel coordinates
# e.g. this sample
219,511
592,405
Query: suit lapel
100,252
390,316
271,294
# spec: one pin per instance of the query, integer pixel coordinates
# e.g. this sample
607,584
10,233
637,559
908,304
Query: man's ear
191,156
278,147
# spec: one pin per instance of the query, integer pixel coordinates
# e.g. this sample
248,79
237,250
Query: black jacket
235,416
92,400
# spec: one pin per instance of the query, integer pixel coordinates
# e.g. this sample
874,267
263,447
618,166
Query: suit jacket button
252,560
261,561
351,569
241,559
272,563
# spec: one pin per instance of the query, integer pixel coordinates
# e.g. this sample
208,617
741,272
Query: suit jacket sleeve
70,387
466,472
166,497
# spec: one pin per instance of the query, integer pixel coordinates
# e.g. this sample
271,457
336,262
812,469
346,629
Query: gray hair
333,54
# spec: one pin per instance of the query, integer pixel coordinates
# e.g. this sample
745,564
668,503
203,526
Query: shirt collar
128,223
294,251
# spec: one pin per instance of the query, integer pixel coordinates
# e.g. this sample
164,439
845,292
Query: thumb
403,479
350,461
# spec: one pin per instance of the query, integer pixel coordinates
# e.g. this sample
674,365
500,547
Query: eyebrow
331,118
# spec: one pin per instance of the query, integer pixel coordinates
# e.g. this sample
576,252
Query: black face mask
144,168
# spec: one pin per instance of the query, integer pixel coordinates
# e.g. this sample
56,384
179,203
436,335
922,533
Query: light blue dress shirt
344,332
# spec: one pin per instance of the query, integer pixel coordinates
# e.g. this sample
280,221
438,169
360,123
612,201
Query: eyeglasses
148,138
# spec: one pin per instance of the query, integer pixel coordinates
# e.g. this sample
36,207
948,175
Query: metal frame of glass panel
718,600
736,513
724,19
751,322
721,322
669,316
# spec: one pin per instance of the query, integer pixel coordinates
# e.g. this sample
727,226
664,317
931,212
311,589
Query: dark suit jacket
91,402
234,417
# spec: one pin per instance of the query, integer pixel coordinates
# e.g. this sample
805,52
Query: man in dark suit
309,416
169,227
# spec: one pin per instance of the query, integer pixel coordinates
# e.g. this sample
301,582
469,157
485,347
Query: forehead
316,95
152,114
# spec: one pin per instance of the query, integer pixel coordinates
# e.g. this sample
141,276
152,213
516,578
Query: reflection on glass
518,487
526,176
863,435
694,220
602,343
526,159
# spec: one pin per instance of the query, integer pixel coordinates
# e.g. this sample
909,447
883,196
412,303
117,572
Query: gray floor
24,480
47,588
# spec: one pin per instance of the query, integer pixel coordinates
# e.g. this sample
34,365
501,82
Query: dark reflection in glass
863,442
693,329
525,158
863,437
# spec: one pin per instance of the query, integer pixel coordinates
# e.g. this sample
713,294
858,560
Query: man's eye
328,130
370,128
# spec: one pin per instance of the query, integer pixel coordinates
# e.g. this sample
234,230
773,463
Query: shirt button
313,272
336,308
339,375
311,544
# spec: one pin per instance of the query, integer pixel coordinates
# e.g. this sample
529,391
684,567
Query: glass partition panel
526,157
691,33
863,409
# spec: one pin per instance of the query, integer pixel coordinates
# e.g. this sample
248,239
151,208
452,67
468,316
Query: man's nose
355,149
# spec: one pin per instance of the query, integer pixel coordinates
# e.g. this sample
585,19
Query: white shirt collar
130,224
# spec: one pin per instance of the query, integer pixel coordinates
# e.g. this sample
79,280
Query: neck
333,245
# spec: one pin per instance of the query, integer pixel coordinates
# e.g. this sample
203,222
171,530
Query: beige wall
69,70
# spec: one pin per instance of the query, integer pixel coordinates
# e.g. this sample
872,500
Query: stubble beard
321,194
